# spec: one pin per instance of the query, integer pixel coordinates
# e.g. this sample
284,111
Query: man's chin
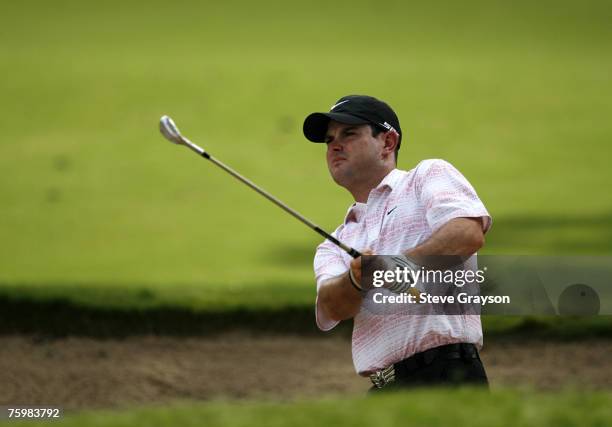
340,175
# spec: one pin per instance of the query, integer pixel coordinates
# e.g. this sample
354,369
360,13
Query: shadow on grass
553,235
60,317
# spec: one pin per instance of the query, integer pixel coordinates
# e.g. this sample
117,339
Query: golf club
172,134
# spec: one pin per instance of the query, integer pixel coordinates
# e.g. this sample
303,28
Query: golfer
429,210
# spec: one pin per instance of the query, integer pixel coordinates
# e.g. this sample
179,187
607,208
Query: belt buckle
383,377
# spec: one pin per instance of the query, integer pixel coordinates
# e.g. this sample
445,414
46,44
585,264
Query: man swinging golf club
427,211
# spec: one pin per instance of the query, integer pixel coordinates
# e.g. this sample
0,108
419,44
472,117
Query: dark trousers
449,365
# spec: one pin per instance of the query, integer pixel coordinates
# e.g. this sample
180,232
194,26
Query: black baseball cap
353,110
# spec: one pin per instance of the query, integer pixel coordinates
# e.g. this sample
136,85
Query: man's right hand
388,263
338,298
356,266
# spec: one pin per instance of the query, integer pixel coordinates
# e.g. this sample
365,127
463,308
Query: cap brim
315,125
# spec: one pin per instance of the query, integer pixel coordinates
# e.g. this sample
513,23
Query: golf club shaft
352,252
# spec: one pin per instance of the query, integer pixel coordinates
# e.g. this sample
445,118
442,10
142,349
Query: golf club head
169,130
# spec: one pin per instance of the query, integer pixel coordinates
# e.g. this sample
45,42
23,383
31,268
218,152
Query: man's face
352,152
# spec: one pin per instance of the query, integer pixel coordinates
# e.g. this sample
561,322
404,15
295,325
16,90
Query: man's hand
389,263
338,297
355,268
402,262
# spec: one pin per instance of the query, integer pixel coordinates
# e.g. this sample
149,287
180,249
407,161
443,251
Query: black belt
419,360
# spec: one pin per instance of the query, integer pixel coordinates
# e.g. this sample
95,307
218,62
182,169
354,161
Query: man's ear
391,141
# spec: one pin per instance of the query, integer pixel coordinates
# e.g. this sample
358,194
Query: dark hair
376,130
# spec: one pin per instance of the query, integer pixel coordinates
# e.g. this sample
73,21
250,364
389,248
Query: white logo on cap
387,126
338,104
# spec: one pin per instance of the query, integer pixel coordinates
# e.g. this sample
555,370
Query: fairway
133,273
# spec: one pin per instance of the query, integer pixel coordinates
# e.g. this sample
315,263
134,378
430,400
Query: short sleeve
446,194
328,262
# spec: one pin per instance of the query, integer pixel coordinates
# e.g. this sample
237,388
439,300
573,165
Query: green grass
516,95
464,407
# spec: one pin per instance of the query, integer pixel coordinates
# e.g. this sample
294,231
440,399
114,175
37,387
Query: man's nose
336,146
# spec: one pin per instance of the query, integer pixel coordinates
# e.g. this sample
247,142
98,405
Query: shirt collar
356,210
391,180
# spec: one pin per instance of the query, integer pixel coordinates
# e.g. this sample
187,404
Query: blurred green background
96,203
97,208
